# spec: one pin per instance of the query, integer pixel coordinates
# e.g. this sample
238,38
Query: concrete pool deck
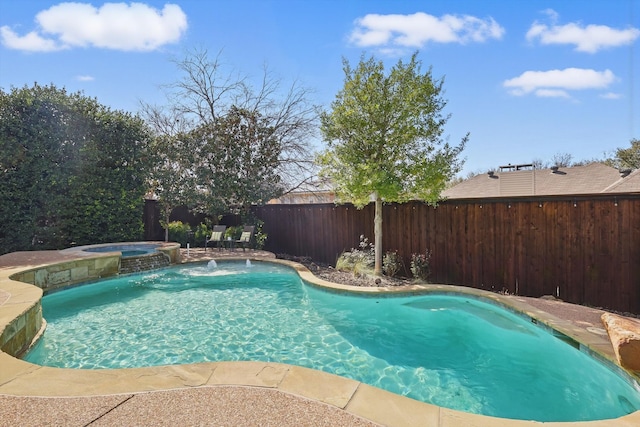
243,393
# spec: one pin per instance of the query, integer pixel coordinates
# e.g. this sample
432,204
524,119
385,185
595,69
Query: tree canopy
384,135
73,171
384,138
235,160
238,144
627,158
172,179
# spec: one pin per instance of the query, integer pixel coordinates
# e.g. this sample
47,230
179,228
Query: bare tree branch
207,94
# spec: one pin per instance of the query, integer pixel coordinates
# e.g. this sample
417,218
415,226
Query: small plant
358,261
233,233
420,267
179,232
261,237
201,234
391,263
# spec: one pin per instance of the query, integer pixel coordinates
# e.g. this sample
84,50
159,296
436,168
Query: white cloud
117,26
85,78
552,93
611,95
554,82
31,42
590,38
416,30
552,14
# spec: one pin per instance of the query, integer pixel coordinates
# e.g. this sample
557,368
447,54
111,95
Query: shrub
261,237
74,172
391,263
178,232
233,232
358,261
201,234
420,267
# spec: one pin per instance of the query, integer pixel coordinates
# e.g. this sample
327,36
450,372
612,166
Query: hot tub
127,250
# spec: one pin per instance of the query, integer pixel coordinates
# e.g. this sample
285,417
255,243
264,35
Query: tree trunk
167,214
377,231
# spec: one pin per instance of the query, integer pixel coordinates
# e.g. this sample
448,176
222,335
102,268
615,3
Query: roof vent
492,174
511,167
624,172
554,169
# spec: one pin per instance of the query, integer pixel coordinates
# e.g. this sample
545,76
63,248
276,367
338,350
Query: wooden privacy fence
582,249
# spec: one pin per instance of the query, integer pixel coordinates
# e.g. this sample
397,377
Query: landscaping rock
624,334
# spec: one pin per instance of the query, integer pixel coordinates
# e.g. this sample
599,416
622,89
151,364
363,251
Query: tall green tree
172,179
384,138
235,160
72,170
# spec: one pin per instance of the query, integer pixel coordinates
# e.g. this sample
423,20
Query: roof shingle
589,179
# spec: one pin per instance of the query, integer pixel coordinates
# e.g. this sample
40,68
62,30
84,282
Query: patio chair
246,237
217,237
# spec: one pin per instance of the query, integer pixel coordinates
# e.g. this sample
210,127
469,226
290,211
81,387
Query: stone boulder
624,333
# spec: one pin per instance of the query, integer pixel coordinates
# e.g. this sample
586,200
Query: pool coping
20,378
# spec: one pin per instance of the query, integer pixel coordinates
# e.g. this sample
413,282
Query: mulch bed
329,273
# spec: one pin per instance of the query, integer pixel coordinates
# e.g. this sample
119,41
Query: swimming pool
453,351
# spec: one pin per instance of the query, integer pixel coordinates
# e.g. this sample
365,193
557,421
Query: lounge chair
217,236
245,237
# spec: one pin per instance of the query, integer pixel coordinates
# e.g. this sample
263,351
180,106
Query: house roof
627,184
589,179
316,191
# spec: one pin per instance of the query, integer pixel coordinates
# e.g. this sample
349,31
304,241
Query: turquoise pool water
126,250
451,351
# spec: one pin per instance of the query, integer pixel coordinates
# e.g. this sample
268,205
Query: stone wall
70,272
144,263
20,315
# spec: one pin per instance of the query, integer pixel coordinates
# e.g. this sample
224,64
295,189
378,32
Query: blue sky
527,79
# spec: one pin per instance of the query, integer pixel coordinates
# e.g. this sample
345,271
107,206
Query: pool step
144,263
